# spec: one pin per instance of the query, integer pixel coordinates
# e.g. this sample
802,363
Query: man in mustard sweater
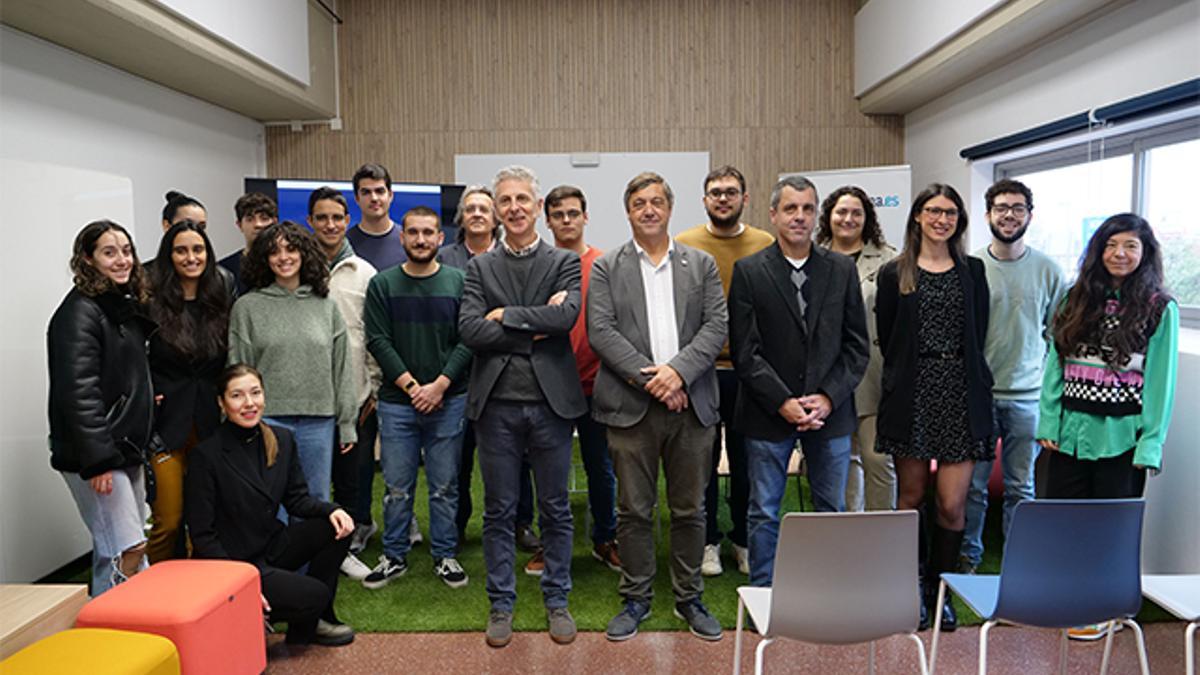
727,239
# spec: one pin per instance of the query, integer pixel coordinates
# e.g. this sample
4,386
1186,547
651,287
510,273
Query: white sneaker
742,555
414,532
711,565
354,568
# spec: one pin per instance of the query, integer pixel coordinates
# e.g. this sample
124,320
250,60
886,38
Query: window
1151,171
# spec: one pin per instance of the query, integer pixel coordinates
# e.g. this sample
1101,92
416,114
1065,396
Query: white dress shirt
658,282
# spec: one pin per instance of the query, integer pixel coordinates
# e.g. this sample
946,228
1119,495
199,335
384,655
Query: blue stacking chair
1066,563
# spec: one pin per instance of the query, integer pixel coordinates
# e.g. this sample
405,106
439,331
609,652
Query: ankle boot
946,544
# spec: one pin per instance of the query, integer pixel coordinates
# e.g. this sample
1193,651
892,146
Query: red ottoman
210,609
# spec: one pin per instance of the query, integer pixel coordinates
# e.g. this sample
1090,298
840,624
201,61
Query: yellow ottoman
96,651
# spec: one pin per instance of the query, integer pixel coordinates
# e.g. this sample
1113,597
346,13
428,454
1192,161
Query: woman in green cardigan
1109,381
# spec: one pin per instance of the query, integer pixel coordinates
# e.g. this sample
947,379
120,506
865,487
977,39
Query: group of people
310,343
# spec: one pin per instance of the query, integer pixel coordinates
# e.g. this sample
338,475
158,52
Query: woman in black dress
190,303
932,316
236,482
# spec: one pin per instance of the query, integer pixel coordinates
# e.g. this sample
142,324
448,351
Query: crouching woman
236,481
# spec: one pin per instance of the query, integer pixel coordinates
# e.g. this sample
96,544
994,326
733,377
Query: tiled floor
1013,651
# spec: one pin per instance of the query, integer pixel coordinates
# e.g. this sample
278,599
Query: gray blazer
618,330
526,315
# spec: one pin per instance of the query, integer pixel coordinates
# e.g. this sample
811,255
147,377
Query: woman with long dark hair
190,303
237,480
101,402
1109,382
293,333
848,225
932,318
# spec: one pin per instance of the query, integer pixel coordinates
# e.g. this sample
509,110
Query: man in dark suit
798,334
519,303
656,318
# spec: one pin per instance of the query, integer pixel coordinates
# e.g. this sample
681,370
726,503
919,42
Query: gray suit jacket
526,315
618,330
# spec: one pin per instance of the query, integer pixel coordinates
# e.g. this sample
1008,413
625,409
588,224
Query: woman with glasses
936,404
190,302
848,225
1109,383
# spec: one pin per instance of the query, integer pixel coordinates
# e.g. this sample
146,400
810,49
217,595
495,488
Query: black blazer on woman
189,390
896,319
231,496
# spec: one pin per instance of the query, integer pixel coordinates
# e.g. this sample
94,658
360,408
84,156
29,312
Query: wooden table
30,612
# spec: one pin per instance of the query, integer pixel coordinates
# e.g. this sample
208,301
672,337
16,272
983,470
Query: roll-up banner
889,187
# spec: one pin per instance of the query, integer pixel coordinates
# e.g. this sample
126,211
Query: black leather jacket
101,400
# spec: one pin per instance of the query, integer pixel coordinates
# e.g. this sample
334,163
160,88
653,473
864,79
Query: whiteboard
40,528
889,187
602,177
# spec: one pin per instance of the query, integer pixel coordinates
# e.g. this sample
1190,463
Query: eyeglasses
1018,210
937,212
728,193
570,214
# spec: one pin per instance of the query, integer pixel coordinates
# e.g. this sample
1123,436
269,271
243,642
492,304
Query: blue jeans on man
1016,423
601,481
509,432
403,434
828,462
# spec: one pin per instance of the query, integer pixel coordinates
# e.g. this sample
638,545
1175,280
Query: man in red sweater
566,214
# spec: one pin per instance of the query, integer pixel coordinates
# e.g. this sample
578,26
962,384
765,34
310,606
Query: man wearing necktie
798,336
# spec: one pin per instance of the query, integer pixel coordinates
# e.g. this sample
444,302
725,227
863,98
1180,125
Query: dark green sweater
412,326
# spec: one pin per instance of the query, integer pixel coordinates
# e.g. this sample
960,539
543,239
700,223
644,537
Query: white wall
1134,50
889,35
59,108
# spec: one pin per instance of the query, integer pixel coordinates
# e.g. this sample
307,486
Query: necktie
799,278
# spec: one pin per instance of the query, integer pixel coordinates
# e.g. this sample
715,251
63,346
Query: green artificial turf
418,601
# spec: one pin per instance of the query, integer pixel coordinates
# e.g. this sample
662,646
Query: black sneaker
625,625
702,624
385,571
449,571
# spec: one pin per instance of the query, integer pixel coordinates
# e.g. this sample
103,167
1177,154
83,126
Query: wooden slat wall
765,85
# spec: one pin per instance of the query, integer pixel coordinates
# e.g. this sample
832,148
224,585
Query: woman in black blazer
236,482
190,303
932,316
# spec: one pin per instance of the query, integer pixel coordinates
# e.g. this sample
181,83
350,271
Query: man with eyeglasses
727,239
566,214
1026,287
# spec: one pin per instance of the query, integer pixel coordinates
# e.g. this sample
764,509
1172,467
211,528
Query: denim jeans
828,461
403,434
602,482
115,521
1016,422
509,432
314,447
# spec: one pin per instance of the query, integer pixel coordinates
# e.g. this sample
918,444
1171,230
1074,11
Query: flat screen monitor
292,197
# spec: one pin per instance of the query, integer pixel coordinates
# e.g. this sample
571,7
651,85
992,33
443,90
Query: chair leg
737,639
1109,632
1062,651
758,655
937,627
920,653
983,633
871,658
1143,660
1189,647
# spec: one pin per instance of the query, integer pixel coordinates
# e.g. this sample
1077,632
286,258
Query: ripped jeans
116,520
403,434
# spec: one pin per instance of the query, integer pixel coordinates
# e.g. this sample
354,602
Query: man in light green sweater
1025,287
